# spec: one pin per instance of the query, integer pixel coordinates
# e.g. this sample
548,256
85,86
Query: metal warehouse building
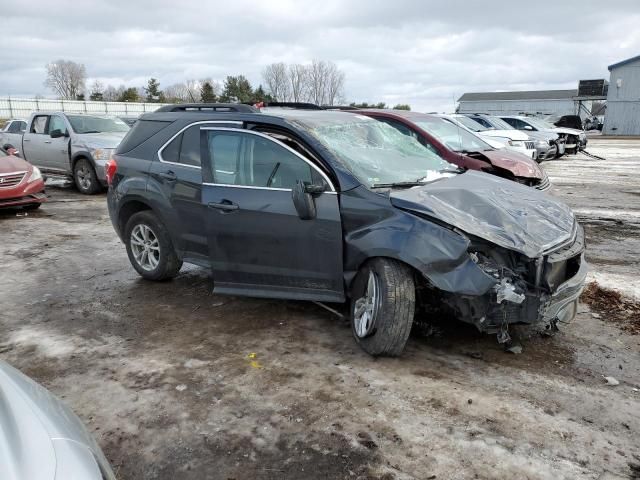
537,102
623,98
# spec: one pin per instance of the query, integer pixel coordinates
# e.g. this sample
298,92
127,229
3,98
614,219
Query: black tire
84,176
168,264
394,311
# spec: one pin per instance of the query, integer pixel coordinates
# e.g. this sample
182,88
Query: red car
463,148
21,184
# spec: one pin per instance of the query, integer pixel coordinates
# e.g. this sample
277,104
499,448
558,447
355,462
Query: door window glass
17,127
245,159
56,123
39,124
185,148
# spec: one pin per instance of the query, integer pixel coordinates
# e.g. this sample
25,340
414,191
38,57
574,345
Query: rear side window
184,149
141,131
17,127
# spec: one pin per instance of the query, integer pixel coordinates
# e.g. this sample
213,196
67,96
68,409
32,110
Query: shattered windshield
378,154
454,137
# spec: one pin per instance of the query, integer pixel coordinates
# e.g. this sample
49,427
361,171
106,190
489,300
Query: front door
258,244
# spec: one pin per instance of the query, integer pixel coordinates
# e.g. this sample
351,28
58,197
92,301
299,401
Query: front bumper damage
545,296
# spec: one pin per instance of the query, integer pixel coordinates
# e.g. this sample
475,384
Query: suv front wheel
149,247
383,306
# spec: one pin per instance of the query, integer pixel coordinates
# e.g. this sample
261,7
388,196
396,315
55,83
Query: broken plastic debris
612,381
254,363
507,291
516,349
181,387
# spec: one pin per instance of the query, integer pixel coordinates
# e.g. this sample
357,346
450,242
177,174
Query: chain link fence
23,107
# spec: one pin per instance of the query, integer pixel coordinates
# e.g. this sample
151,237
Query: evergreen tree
207,95
129,95
259,95
154,94
237,89
402,106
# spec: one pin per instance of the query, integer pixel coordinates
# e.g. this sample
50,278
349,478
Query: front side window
88,124
245,159
56,123
39,124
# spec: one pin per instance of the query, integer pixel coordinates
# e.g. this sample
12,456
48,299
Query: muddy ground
177,383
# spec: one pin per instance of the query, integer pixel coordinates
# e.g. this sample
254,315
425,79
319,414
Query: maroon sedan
463,148
21,184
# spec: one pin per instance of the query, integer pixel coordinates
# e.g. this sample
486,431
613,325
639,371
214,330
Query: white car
511,139
574,139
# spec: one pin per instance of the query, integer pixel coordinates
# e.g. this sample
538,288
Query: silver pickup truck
72,145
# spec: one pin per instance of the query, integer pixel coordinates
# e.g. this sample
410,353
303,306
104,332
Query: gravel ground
176,382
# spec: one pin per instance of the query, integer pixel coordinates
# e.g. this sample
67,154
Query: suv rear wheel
149,247
383,306
84,176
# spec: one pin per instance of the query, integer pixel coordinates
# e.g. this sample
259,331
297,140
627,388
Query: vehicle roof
84,114
398,113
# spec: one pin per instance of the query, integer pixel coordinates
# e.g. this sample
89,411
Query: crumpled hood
99,140
500,211
568,131
515,162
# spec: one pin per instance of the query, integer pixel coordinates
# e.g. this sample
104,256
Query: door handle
47,141
169,176
224,205
26,139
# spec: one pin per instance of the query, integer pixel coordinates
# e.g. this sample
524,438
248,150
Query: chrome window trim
279,143
209,184
204,122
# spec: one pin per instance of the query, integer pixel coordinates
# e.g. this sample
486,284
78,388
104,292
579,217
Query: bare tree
334,85
317,81
66,78
298,82
276,78
110,93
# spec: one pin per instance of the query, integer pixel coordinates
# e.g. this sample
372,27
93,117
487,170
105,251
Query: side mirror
302,195
528,127
56,133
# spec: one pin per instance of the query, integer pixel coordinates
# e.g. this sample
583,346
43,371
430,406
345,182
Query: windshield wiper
397,184
452,170
92,131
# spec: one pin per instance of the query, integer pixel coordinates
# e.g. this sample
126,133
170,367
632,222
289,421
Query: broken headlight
510,285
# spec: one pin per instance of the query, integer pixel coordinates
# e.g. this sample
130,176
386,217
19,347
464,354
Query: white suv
511,138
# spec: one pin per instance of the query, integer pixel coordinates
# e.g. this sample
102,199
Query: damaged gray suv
337,207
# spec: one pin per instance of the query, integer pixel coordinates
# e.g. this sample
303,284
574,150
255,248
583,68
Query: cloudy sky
424,53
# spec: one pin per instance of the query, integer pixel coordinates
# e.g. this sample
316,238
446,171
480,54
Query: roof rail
209,107
296,105
342,107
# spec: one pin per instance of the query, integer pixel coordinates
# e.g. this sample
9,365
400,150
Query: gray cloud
417,52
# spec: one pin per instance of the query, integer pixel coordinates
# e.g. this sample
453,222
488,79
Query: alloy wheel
84,177
366,308
145,247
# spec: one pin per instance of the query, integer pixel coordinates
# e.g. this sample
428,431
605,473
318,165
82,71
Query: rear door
258,244
34,142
